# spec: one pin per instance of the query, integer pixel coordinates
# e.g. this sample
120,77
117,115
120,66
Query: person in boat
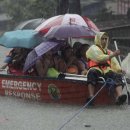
8,59
82,58
79,51
103,63
15,61
76,49
50,65
72,64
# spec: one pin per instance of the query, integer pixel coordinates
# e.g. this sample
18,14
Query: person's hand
116,53
123,72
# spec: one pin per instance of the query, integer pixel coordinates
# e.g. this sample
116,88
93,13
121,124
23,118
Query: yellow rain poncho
96,54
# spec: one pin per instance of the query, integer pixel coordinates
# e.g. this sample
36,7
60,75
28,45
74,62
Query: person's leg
120,97
91,90
118,91
93,76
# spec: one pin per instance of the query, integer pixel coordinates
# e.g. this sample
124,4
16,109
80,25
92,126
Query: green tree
28,9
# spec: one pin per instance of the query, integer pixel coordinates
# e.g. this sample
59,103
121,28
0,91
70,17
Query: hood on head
98,38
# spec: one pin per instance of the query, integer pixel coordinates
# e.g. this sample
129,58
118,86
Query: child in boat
103,63
72,64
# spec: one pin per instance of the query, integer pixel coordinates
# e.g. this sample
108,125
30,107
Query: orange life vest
102,66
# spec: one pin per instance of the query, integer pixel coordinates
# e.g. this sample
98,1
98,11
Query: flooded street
19,114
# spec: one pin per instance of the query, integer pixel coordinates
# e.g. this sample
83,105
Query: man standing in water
103,63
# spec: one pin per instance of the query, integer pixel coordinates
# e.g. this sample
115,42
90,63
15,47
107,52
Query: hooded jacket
100,55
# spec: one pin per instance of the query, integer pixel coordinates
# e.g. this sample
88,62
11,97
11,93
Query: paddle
124,78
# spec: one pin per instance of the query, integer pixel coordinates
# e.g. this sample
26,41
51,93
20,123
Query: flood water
19,114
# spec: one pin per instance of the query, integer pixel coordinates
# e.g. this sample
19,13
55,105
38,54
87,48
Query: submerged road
19,114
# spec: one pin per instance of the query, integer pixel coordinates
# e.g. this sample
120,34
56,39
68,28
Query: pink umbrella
66,19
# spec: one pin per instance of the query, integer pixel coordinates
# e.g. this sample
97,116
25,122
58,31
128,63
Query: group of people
66,60
94,61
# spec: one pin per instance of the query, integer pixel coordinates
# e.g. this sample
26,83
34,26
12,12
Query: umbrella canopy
66,19
67,31
20,38
30,24
45,47
37,52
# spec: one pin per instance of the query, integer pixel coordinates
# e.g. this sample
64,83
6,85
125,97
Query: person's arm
41,69
4,66
94,53
110,56
115,53
61,66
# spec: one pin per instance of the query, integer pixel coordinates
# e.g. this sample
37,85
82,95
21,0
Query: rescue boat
70,89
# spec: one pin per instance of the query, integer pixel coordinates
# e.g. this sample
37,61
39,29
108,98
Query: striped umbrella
66,19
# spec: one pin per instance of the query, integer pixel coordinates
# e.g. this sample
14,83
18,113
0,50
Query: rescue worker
103,63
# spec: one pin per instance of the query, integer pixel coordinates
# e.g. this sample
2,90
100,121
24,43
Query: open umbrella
66,19
37,52
70,30
29,24
20,38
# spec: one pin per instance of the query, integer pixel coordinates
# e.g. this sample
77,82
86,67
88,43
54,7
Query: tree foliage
28,9
21,10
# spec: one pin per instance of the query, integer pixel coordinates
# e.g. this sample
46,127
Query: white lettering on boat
21,85
24,95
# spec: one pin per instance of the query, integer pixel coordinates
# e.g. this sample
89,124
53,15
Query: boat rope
108,81
110,85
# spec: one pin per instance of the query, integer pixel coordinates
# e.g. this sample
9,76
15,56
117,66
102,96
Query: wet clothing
94,74
99,55
100,65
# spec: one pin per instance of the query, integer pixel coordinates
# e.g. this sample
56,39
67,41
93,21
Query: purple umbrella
30,60
37,52
68,31
45,47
